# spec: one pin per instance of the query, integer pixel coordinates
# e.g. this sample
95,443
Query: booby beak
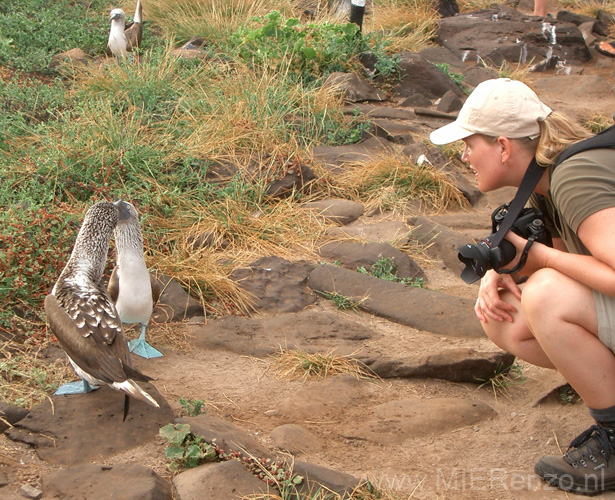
123,207
114,15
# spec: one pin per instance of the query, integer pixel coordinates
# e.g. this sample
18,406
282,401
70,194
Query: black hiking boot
587,468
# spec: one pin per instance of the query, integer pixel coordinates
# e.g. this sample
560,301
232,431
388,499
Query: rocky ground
424,427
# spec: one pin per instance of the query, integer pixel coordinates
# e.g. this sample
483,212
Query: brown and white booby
124,38
84,319
131,287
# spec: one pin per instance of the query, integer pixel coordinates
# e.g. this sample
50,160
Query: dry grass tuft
389,182
211,19
293,364
598,123
240,231
411,23
26,378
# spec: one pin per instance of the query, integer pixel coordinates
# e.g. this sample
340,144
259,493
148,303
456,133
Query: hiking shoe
587,468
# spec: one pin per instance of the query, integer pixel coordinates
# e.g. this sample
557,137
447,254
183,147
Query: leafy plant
385,269
341,301
192,407
456,77
311,50
185,449
568,395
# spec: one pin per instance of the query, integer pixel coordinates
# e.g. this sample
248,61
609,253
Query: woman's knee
539,296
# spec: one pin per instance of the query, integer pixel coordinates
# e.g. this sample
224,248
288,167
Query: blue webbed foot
141,348
77,387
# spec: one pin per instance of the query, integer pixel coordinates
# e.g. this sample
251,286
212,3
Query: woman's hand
537,257
489,303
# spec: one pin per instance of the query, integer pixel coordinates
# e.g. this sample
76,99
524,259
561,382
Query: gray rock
71,57
316,476
325,399
295,439
420,76
174,303
455,365
227,436
354,87
333,157
386,112
397,132
219,481
474,75
295,179
10,414
416,100
29,491
386,231
450,102
502,33
277,284
308,330
353,254
4,479
101,482
398,422
61,434
416,307
336,210
440,242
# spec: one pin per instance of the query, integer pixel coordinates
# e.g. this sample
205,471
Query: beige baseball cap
499,107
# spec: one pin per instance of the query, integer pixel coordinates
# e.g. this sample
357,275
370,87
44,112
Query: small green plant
192,407
186,450
386,269
456,77
341,301
568,395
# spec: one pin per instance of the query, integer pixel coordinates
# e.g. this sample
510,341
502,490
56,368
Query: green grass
32,31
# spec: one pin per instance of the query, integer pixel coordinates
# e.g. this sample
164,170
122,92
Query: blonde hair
557,132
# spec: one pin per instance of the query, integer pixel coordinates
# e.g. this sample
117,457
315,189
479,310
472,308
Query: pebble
271,413
30,491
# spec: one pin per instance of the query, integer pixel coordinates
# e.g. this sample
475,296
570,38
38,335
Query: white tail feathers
131,388
138,13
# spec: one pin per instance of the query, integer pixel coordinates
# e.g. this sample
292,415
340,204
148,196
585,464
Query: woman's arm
597,271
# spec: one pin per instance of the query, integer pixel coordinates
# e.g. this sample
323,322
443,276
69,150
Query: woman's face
484,156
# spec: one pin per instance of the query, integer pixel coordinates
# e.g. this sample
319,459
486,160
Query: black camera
483,256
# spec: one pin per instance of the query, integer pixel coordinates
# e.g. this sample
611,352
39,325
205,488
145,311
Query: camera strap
530,179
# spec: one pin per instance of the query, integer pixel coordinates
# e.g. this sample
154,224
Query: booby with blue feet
131,287
84,319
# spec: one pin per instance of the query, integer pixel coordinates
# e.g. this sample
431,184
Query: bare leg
561,314
541,8
516,337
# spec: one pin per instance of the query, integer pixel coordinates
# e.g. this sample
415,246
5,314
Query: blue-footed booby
124,38
84,319
131,286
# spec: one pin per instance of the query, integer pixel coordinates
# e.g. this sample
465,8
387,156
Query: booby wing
134,30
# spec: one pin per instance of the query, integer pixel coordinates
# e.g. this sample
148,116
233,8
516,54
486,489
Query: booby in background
124,38
131,287
84,319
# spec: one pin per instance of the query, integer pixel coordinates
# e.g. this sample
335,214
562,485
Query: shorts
605,311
